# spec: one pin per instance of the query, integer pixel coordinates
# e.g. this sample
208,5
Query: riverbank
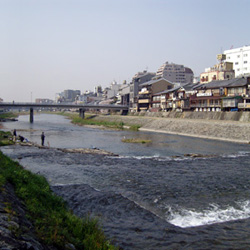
33,217
225,130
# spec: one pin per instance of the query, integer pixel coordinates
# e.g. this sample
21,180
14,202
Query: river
151,196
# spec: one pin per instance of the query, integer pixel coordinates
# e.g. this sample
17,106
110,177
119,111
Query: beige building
221,71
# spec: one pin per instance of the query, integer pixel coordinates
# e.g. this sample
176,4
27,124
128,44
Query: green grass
8,115
5,138
89,120
54,223
134,140
134,127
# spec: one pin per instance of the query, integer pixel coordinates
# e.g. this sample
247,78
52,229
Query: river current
150,196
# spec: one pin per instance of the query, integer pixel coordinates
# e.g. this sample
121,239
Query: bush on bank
54,223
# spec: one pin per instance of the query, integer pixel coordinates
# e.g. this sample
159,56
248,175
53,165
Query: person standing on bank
42,138
14,135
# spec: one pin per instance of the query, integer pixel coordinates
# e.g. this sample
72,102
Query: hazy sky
48,46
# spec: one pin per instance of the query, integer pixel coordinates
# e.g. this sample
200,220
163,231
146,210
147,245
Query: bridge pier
124,112
31,115
81,113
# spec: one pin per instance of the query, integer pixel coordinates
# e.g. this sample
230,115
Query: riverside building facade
138,79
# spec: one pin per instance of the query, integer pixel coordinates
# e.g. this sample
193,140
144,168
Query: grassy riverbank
96,120
8,115
54,223
5,138
135,140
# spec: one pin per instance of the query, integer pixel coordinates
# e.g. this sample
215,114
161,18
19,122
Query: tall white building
175,73
240,57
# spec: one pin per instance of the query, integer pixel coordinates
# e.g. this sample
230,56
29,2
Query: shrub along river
150,196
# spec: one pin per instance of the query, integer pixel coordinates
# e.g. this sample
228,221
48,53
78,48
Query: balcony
202,105
244,105
143,101
144,92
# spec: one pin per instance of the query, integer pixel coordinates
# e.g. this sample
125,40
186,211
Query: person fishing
42,138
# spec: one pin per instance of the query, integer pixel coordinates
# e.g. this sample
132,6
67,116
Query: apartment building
221,71
175,73
240,57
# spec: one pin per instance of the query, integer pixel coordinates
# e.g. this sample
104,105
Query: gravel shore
227,130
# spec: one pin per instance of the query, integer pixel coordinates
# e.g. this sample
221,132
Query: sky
48,46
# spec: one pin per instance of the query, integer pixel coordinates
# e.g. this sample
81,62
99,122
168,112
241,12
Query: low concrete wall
227,116
228,126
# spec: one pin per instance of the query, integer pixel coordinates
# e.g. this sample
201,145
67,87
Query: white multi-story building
240,57
175,73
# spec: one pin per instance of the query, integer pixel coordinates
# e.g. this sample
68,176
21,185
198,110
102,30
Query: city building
176,98
44,100
123,95
111,91
175,73
98,91
221,71
240,57
148,89
71,95
139,78
218,95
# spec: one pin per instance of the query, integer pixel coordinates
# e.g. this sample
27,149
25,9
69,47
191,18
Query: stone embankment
227,126
16,231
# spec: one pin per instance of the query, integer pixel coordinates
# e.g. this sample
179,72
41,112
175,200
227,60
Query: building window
236,91
245,55
245,61
238,56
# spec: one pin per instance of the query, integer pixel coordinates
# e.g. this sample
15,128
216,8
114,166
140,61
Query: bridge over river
81,107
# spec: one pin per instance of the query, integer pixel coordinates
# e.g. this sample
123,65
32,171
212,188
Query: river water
150,196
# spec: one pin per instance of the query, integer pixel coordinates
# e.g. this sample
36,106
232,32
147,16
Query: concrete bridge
81,107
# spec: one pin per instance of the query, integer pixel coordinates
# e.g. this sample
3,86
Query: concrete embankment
227,126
